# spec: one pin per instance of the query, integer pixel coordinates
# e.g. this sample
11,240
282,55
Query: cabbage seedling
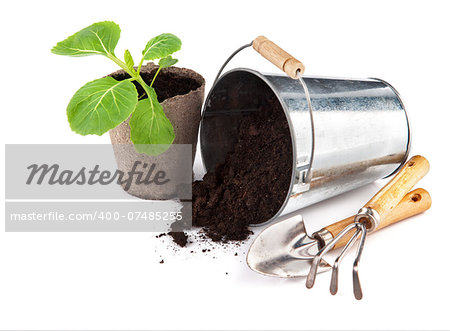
104,103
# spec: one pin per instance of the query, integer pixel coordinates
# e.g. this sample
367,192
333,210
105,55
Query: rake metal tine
318,257
357,291
335,270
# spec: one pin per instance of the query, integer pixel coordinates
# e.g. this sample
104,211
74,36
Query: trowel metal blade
284,249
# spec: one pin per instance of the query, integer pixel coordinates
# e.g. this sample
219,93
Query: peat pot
345,133
181,92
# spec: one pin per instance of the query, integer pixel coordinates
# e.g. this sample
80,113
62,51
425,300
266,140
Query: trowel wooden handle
413,203
283,60
394,191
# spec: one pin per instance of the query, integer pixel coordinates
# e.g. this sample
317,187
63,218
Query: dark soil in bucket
253,182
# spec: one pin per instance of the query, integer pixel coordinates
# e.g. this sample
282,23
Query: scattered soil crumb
180,238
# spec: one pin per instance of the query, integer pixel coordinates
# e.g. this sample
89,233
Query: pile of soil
253,182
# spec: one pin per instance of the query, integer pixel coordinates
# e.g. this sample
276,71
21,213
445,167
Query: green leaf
166,62
129,60
151,131
101,105
98,38
161,46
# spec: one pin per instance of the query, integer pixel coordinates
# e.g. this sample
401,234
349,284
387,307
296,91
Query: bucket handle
278,56
294,69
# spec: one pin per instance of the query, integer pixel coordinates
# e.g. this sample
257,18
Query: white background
114,281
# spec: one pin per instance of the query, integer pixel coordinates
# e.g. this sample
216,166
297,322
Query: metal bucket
345,133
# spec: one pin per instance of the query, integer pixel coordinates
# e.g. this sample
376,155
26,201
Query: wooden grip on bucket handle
275,54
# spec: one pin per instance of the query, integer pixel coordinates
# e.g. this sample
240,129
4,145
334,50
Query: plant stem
144,86
122,65
154,77
134,75
139,71
140,65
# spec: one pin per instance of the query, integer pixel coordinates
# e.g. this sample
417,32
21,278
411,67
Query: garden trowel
285,249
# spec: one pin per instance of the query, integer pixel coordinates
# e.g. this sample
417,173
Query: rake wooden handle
275,54
393,192
413,203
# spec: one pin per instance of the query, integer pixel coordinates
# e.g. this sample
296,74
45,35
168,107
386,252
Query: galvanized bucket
345,133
